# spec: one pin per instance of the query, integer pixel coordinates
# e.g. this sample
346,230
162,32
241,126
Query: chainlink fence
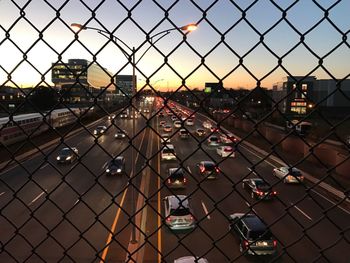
85,175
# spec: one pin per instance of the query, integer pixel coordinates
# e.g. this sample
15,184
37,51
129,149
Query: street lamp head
189,27
77,27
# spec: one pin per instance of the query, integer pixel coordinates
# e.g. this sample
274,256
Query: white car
165,138
189,122
207,124
213,140
288,174
191,259
167,128
168,153
177,124
225,151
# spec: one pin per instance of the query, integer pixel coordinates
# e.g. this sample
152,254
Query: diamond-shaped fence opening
126,137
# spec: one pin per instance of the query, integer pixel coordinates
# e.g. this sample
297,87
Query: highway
75,212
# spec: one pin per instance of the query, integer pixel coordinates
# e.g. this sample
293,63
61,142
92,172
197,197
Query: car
213,140
258,188
176,178
228,138
184,134
165,138
254,236
121,134
161,115
67,155
116,166
189,122
100,130
177,124
191,259
136,114
200,132
207,124
111,117
208,169
288,174
167,128
168,152
214,128
146,110
124,115
178,213
162,123
225,151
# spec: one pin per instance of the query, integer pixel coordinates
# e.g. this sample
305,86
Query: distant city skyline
184,62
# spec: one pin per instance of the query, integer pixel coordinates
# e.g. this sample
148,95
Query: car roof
253,222
176,199
191,259
208,162
176,170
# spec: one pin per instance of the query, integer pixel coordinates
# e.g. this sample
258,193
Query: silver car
289,174
178,214
191,259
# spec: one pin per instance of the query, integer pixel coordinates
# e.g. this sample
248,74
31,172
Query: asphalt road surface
77,213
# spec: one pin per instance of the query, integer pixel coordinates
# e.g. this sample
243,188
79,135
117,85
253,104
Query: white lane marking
76,202
42,167
251,170
2,193
36,198
205,210
188,168
266,161
333,203
251,207
301,211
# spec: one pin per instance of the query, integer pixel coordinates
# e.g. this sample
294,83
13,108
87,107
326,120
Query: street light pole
133,229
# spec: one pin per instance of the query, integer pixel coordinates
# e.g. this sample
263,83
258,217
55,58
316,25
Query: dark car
254,236
121,134
115,166
67,155
208,169
184,134
258,188
176,178
100,130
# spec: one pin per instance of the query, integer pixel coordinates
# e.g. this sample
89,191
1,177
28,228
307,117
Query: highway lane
92,214
289,227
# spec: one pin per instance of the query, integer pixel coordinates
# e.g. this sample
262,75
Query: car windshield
209,166
295,173
65,152
181,211
167,150
260,235
213,139
115,163
177,174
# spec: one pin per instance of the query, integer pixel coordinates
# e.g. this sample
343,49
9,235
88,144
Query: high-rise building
80,79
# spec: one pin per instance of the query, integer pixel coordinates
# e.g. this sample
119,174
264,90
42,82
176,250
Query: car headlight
107,170
119,170
95,132
58,158
68,157
123,135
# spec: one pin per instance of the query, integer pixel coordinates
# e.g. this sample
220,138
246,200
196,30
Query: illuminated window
304,87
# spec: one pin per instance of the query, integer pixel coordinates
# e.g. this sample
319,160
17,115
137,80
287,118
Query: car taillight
259,192
275,243
217,170
185,180
227,149
245,243
274,193
202,170
168,219
169,181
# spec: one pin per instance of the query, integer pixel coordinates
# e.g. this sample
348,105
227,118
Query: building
81,80
217,96
299,95
124,85
294,95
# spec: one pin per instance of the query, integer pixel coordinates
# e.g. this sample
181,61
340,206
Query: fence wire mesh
93,169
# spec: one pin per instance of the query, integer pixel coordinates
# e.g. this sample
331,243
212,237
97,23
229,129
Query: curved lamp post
131,54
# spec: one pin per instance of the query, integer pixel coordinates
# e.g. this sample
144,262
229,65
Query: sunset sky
185,61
